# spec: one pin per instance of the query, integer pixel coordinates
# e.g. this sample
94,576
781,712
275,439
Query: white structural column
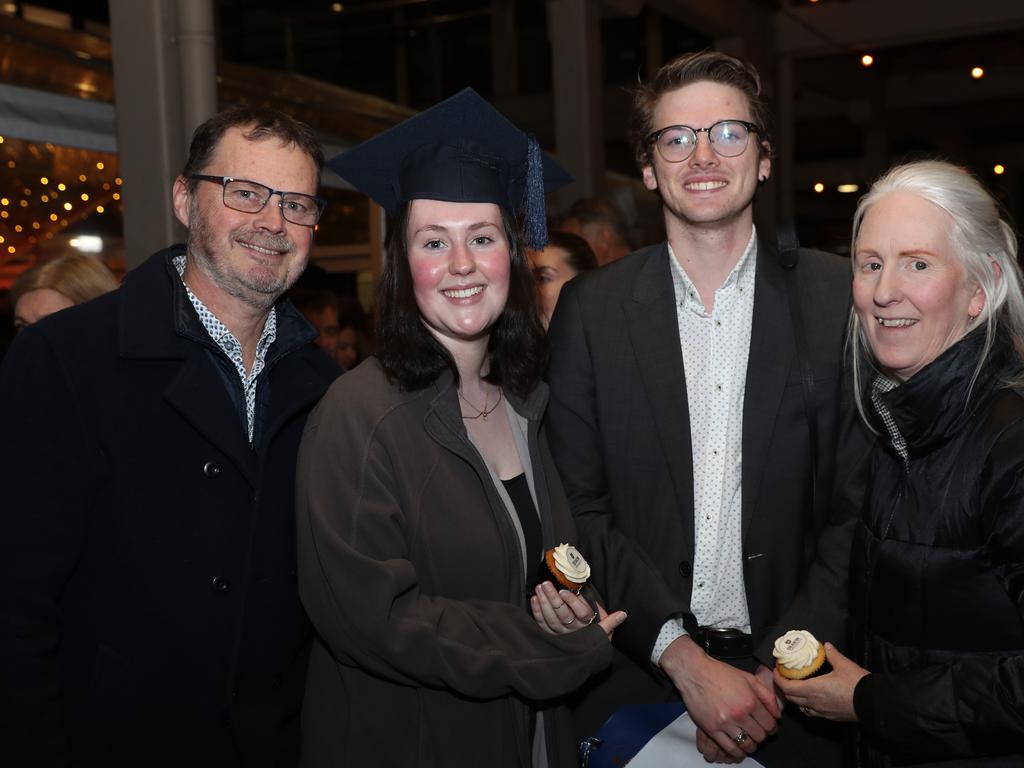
153,123
576,57
197,63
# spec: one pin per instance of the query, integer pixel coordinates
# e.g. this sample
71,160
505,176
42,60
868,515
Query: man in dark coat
682,425
148,605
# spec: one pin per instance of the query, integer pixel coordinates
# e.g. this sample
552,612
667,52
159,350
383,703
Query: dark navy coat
149,613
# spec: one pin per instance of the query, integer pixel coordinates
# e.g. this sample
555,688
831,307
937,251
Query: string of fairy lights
46,189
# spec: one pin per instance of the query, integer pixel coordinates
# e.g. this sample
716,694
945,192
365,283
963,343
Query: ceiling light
999,169
847,188
977,73
867,60
87,243
819,187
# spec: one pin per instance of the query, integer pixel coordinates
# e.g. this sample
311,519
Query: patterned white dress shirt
716,347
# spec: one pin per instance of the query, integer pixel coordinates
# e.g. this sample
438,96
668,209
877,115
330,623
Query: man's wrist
681,654
671,631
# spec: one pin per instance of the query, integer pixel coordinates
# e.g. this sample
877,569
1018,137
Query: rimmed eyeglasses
728,138
252,197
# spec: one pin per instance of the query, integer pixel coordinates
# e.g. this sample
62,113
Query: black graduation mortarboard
461,150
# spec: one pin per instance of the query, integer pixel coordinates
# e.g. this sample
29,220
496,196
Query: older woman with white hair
936,573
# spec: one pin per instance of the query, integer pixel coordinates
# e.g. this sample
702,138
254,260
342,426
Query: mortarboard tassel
535,226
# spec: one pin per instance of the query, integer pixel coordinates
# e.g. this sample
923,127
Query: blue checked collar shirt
231,346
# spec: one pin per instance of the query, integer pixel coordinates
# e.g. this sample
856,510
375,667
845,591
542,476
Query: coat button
220,585
211,469
685,569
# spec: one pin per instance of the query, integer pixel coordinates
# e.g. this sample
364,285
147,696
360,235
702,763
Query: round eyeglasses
728,138
252,197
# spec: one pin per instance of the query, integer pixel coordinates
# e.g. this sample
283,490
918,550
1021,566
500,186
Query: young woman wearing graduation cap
426,491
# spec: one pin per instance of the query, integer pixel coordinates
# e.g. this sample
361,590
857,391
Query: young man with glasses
679,421
148,605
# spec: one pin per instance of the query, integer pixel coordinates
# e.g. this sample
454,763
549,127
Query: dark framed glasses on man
728,138
252,197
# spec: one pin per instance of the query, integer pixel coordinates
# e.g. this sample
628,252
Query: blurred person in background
601,224
58,284
338,321
564,257
320,308
353,342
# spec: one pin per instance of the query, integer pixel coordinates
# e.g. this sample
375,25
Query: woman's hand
829,696
560,612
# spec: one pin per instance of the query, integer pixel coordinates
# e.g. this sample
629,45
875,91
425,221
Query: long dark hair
410,354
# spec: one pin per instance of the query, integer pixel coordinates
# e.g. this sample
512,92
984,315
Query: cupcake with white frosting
799,655
566,566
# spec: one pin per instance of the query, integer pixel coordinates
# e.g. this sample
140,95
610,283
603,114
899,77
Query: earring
762,179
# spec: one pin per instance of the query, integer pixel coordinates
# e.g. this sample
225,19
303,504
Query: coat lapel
771,355
151,307
653,325
294,389
198,394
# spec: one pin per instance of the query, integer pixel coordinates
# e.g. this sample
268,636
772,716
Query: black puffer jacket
937,570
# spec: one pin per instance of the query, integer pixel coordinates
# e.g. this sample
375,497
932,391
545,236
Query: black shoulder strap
789,257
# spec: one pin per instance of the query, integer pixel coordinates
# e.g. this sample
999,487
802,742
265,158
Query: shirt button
220,585
211,469
685,569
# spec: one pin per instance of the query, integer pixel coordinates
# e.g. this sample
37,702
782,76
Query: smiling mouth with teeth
902,322
462,293
703,186
260,248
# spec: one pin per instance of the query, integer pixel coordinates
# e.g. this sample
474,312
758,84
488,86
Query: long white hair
981,238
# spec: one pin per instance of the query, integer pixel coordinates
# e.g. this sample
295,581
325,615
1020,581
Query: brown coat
411,568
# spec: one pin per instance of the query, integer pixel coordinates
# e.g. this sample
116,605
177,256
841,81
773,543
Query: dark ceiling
917,99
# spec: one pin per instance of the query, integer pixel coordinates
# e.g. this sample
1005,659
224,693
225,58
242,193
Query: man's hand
711,751
766,676
734,709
